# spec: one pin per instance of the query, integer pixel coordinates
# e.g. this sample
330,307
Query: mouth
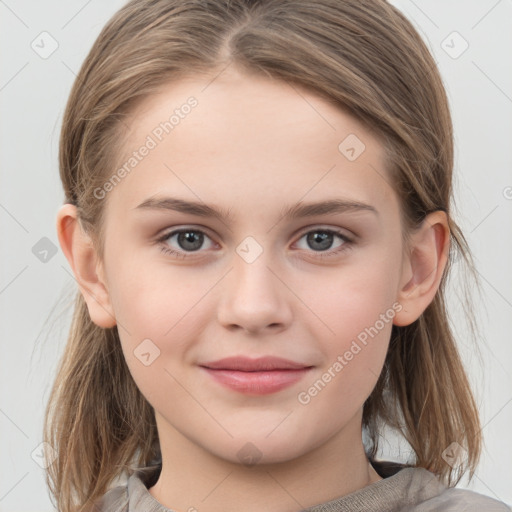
260,376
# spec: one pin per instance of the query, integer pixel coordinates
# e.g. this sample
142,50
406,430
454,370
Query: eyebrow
298,210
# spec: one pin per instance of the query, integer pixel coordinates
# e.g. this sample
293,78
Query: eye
321,240
190,240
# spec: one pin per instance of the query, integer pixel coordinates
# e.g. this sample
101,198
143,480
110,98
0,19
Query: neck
194,479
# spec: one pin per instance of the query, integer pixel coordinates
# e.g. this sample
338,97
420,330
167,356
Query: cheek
152,313
353,297
158,325
353,358
152,299
357,305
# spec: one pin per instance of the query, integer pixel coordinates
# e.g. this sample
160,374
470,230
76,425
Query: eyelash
347,243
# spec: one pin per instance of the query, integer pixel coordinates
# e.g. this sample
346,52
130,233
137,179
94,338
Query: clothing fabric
402,489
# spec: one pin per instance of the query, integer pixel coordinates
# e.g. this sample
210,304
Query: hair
363,56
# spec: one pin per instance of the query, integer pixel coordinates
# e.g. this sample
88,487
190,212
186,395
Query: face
300,299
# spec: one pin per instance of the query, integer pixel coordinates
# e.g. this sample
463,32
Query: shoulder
459,500
133,494
114,500
425,493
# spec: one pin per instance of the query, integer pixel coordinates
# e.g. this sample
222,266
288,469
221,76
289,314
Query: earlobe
81,254
423,267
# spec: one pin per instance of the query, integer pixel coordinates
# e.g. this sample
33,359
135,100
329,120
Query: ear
423,267
86,265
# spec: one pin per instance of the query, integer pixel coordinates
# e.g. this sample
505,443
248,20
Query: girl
258,217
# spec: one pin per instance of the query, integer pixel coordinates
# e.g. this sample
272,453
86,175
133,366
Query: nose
254,297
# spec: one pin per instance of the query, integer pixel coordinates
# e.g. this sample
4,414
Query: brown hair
365,57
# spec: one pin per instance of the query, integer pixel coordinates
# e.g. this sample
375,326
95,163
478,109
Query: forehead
235,135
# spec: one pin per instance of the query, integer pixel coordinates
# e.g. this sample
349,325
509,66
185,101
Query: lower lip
257,383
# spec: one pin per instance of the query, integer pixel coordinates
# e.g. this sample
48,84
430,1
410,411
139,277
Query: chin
256,450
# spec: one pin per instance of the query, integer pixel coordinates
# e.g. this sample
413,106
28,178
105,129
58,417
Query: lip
259,376
246,364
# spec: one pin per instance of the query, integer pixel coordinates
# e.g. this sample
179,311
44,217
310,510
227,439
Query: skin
255,145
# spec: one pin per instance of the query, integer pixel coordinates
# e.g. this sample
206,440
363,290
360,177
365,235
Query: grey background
35,284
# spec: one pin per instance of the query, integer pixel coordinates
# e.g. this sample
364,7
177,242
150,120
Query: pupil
189,237
321,237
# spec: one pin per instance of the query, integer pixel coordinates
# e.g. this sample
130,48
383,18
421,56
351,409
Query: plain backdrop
472,43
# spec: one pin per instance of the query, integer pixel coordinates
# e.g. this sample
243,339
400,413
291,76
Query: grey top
402,489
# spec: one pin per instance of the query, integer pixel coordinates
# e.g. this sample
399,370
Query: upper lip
247,364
